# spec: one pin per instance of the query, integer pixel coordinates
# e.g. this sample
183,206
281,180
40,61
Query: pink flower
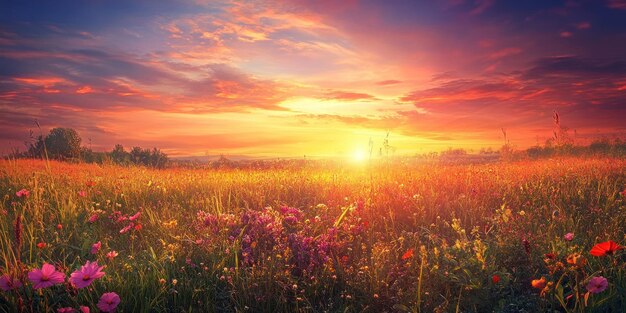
82,193
93,218
111,255
108,302
95,248
66,310
86,275
84,309
134,217
9,283
569,236
597,284
45,277
23,193
127,228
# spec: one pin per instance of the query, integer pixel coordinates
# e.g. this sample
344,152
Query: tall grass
318,239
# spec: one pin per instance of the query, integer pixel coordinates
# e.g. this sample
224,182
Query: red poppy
605,248
495,278
408,254
42,245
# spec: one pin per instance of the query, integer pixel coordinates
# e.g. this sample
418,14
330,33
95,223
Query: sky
320,78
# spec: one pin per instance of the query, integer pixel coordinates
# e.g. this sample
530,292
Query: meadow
524,236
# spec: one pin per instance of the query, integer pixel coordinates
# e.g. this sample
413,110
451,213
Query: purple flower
9,283
569,236
597,284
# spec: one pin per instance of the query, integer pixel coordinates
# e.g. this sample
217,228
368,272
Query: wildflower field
524,236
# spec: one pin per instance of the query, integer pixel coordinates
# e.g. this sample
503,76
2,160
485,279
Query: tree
137,155
36,148
158,159
119,156
63,143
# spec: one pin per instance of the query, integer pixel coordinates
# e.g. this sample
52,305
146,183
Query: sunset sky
319,78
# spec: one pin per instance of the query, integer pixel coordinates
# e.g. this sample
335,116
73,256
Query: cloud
104,79
585,90
617,4
348,96
388,82
504,53
463,90
481,6
576,67
235,31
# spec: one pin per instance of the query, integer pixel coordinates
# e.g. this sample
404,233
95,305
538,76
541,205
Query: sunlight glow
359,155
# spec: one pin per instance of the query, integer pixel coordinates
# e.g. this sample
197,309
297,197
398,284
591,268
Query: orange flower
408,254
539,283
605,248
576,259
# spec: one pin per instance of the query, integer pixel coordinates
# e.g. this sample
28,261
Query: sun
359,155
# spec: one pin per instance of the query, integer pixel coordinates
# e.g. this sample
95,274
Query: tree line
65,144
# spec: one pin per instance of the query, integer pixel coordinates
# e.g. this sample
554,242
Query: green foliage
60,144
601,147
152,158
64,144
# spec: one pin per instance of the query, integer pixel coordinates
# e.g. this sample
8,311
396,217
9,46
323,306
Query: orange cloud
349,96
40,81
84,90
